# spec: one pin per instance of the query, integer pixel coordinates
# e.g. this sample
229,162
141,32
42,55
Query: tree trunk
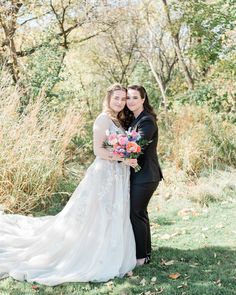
8,22
183,65
155,74
13,63
161,86
175,38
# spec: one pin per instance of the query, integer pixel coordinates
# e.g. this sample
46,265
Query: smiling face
117,101
135,102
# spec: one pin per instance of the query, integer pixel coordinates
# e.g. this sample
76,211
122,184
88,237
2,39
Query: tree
116,50
208,23
61,16
156,47
8,21
174,31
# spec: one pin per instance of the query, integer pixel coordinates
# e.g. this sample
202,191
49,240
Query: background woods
58,57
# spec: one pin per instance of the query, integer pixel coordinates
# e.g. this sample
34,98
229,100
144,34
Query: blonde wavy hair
117,119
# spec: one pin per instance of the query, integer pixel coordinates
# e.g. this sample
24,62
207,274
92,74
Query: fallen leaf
165,237
109,284
129,274
135,279
183,285
35,287
153,280
218,283
174,276
159,291
170,262
193,265
187,211
147,293
155,225
167,263
143,282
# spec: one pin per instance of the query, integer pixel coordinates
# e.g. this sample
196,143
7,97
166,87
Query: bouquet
128,144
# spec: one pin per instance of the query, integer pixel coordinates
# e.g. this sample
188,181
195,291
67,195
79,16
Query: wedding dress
91,239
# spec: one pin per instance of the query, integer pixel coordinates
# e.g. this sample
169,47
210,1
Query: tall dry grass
217,186
196,139
32,149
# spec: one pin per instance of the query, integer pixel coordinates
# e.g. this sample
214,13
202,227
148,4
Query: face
118,101
134,101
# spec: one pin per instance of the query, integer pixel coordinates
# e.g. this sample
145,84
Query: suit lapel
134,123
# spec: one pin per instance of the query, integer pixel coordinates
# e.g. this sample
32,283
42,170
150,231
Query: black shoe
147,260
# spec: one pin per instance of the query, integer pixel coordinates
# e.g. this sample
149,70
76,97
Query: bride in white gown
91,239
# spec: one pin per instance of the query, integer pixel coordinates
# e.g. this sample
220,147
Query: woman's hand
131,162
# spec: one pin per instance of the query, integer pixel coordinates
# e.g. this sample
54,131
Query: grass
196,243
196,139
34,148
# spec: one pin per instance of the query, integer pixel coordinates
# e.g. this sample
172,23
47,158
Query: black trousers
140,195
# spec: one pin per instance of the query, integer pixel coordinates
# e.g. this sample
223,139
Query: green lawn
198,246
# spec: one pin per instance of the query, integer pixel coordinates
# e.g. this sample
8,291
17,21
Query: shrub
217,91
33,149
196,139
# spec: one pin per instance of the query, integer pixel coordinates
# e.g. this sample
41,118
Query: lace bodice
103,123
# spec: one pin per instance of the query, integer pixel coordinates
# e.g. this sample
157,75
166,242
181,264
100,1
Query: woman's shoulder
103,118
147,117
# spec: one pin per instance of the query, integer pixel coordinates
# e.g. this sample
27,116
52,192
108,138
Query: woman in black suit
143,183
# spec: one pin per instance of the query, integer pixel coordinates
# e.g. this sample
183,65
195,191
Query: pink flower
134,133
122,139
112,139
125,145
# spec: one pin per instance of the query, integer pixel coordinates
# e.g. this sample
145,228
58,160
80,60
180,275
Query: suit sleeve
146,129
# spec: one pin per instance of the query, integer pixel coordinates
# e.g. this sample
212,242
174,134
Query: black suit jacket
150,171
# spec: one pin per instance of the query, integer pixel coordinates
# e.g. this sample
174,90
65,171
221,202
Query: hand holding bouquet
127,145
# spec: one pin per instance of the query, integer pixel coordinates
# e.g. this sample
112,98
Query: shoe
143,261
147,260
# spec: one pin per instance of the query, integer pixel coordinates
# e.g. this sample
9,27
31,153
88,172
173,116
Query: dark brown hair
143,93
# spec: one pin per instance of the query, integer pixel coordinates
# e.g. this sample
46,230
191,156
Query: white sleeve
101,124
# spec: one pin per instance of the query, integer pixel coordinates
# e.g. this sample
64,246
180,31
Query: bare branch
34,18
